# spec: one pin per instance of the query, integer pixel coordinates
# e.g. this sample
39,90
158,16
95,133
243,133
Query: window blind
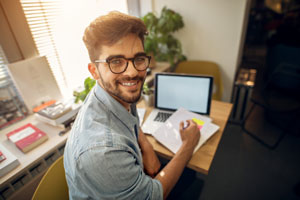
42,17
4,78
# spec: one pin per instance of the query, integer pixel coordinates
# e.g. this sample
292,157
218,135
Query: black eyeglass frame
107,60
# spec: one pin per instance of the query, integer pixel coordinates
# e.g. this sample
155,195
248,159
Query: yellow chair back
53,184
205,68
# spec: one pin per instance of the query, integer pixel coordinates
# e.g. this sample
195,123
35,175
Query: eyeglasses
119,64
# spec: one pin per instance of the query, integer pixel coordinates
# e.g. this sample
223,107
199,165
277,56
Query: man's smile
129,83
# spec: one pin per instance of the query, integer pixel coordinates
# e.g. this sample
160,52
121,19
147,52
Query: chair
206,68
53,184
279,100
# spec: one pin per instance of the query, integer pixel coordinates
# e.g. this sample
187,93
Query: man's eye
116,61
140,59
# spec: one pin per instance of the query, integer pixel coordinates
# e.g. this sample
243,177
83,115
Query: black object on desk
68,125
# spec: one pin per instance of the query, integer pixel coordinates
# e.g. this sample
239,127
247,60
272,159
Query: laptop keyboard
162,116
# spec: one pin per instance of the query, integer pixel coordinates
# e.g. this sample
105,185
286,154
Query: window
57,27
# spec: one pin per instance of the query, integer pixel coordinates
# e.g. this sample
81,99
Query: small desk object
202,159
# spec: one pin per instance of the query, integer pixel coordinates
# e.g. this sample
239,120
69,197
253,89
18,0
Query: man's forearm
150,159
170,174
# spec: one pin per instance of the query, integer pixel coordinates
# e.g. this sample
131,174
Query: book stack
59,114
27,137
8,162
52,109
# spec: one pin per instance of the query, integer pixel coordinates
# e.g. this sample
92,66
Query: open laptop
173,91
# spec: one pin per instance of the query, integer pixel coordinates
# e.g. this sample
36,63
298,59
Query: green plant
160,40
146,89
89,83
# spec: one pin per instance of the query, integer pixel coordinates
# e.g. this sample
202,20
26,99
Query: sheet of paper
169,135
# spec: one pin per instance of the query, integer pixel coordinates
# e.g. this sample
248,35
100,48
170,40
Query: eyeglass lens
118,65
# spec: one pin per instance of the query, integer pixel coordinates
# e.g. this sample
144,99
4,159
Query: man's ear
93,70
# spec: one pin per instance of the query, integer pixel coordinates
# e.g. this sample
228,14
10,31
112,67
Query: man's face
125,87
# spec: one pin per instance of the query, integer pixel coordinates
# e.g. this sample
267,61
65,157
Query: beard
114,89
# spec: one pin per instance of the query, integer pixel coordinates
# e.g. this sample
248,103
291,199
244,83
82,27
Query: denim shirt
102,158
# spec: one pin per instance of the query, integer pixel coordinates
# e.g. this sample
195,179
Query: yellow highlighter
199,122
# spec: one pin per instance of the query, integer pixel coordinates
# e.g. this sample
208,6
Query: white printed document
168,134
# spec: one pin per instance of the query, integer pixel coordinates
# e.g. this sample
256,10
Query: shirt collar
116,108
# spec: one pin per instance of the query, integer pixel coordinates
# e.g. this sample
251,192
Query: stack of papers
168,134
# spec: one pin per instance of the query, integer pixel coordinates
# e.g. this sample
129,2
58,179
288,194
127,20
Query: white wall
213,32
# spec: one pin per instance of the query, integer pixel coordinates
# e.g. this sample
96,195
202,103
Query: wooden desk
202,159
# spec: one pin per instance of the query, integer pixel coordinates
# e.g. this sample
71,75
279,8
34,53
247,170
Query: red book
27,137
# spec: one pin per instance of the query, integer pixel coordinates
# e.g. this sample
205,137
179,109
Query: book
63,120
9,163
53,110
27,137
168,134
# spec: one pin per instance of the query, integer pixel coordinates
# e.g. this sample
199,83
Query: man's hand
190,135
150,160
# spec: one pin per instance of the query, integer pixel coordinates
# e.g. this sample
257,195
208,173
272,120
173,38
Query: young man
107,155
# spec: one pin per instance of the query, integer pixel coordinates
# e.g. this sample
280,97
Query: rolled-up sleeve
114,173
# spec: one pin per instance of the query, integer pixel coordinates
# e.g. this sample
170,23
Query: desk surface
202,159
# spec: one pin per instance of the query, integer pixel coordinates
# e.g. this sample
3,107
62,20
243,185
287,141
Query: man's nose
131,71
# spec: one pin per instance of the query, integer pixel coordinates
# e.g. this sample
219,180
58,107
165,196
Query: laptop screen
192,92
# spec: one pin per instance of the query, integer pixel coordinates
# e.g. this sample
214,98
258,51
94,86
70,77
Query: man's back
102,156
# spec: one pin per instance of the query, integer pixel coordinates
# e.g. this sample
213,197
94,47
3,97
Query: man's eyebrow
122,56
140,54
115,56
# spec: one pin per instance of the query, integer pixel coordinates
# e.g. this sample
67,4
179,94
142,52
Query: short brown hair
108,29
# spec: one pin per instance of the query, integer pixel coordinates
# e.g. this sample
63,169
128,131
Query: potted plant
148,95
160,41
89,83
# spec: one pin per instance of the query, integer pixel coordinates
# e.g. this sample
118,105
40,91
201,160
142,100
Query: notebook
168,134
173,91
